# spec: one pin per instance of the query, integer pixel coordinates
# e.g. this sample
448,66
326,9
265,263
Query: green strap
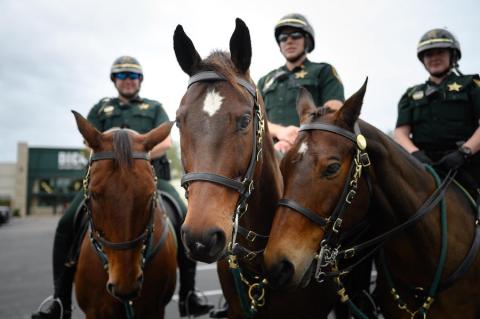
129,312
235,270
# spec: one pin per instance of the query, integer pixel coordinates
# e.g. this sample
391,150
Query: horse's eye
177,123
243,122
93,195
331,169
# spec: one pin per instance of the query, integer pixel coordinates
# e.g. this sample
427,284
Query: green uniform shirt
280,88
441,115
140,115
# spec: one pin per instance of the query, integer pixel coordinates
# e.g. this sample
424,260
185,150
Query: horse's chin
307,276
205,257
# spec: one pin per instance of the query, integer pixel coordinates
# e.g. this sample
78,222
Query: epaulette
104,102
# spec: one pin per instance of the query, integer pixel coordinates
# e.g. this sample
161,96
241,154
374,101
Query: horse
339,173
232,180
127,263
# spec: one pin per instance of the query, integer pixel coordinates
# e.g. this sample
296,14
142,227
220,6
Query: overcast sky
55,55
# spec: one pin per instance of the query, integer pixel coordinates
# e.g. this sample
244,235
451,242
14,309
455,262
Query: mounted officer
279,88
128,110
438,121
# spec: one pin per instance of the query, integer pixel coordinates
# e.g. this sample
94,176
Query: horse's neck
267,192
401,186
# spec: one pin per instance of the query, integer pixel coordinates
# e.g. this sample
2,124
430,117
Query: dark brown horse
319,177
128,267
233,180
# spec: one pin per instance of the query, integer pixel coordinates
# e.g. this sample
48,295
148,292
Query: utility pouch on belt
162,167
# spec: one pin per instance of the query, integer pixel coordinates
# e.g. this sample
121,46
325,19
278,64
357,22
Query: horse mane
122,148
221,63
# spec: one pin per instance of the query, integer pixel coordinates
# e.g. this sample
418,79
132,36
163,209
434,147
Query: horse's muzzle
125,296
207,247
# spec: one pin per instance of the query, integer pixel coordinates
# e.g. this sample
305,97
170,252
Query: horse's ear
350,111
157,135
305,104
91,135
187,55
241,46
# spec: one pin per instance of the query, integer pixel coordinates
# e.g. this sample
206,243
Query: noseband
329,247
97,240
245,187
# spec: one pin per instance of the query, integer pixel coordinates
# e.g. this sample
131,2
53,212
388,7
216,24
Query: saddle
80,224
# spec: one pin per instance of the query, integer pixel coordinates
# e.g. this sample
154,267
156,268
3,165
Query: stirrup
51,298
191,293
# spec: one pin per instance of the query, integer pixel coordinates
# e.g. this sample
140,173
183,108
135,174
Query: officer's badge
477,82
418,95
144,106
454,87
301,74
108,110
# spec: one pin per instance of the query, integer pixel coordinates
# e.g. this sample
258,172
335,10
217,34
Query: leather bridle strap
310,214
97,156
214,76
329,128
210,177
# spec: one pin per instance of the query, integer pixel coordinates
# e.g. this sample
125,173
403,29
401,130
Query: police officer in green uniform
128,110
280,87
438,121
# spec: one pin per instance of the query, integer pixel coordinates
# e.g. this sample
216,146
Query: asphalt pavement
26,270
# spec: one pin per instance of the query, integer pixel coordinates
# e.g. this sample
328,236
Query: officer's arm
473,142
334,104
402,136
287,134
161,148
331,88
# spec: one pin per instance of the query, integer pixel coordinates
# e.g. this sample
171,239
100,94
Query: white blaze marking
303,148
213,102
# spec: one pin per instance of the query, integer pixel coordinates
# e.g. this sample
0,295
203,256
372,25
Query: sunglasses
294,35
130,75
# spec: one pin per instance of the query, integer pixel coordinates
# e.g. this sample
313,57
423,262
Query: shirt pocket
421,111
142,121
455,108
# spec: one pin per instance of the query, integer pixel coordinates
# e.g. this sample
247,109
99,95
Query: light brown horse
128,267
232,172
317,170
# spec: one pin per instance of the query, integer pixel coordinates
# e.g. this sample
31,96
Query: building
43,180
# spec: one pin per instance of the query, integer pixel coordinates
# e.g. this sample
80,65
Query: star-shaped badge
300,74
454,87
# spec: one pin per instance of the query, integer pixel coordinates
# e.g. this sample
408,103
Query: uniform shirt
140,115
280,88
441,115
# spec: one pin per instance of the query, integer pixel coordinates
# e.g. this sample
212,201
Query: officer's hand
422,157
282,146
453,160
288,134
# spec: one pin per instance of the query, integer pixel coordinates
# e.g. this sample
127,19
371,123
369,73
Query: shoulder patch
335,74
477,82
417,95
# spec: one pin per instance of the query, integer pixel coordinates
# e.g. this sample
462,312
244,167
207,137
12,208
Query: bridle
330,245
245,187
145,238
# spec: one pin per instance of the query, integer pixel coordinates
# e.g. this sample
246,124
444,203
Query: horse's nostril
140,280
111,288
216,242
281,274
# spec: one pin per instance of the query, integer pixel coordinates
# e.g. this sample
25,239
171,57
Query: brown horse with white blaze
427,272
127,262
232,179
